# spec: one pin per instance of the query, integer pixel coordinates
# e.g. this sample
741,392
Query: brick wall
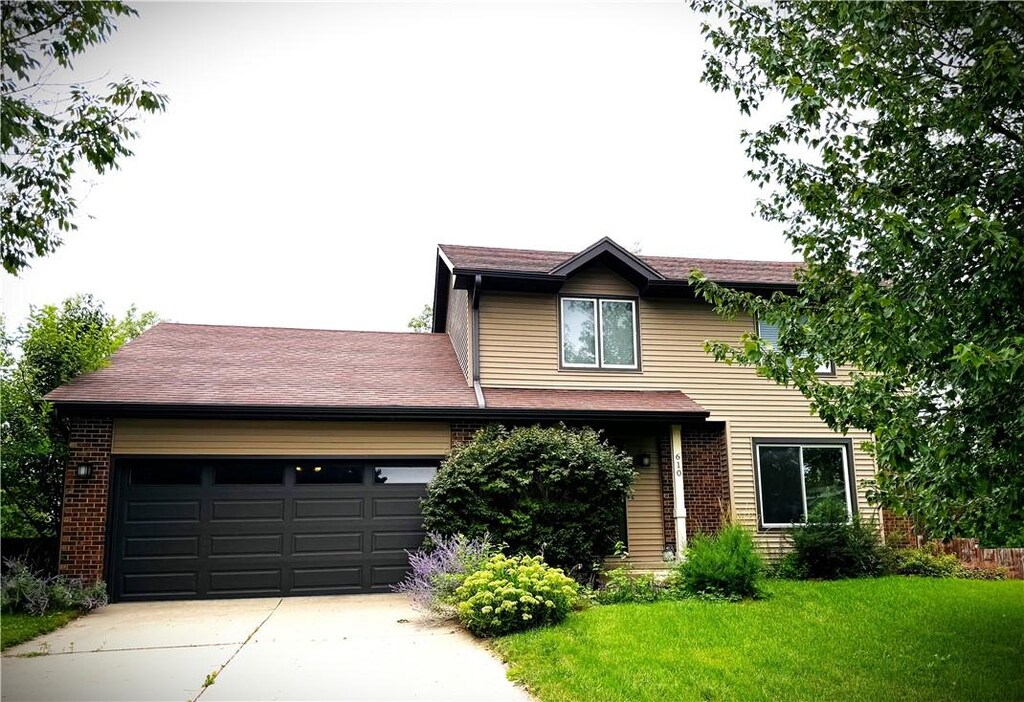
898,530
705,481
84,522
464,431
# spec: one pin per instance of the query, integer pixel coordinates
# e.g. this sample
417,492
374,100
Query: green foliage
725,564
915,561
621,586
895,171
424,321
23,590
513,594
789,567
54,345
925,563
833,545
49,129
555,491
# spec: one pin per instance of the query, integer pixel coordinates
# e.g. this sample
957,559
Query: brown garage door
204,528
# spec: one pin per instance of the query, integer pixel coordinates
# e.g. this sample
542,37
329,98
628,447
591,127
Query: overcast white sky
312,151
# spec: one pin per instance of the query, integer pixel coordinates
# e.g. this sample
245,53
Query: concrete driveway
355,647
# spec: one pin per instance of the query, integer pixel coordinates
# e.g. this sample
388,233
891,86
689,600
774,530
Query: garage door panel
340,580
341,544
397,541
396,507
161,546
265,581
161,584
382,577
310,508
248,545
242,539
248,510
139,511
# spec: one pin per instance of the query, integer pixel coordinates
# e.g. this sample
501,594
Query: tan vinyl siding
645,533
598,280
519,348
457,324
279,438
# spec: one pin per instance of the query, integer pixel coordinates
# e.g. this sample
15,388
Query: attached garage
190,527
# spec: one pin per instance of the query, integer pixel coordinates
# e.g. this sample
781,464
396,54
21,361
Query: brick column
83,529
668,520
706,479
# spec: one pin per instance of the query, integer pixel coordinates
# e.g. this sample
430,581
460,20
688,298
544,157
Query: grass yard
16,628
899,639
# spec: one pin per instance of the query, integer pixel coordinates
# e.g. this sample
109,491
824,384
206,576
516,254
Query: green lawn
898,639
16,628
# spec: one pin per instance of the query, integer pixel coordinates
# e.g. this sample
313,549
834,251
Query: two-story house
237,461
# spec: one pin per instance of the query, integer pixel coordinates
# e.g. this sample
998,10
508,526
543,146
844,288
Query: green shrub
921,562
621,586
789,567
555,491
915,561
831,545
23,590
724,565
514,593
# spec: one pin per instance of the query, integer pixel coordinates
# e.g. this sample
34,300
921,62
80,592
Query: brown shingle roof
527,261
668,401
185,364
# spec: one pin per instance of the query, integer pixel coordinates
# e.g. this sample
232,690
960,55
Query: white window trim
600,340
803,488
597,333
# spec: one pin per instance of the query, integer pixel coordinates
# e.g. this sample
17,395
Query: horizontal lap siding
279,438
644,531
519,348
457,324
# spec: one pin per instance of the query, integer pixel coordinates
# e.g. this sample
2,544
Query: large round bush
551,490
513,594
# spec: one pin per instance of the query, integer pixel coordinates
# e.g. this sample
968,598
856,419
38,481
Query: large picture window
793,477
598,333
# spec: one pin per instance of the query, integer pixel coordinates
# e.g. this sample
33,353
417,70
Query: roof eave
211,411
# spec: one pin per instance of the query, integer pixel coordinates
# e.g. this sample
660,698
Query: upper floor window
598,333
770,333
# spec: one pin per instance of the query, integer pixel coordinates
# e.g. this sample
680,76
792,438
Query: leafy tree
553,491
48,131
424,321
896,171
54,345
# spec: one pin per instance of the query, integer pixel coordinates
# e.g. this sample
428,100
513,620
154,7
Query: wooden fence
970,554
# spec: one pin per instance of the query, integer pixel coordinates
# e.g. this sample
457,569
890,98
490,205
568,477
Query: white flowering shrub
514,593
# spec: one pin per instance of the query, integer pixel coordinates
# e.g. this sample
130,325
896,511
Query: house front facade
237,461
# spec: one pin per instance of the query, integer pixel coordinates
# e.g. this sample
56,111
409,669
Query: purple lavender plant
438,569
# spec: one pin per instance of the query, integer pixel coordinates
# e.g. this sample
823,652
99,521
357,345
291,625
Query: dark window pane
249,474
404,475
317,473
781,498
617,333
166,474
823,474
579,335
